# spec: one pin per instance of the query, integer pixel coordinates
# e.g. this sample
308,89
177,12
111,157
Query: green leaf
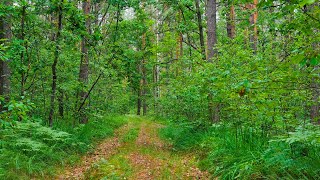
306,2
314,62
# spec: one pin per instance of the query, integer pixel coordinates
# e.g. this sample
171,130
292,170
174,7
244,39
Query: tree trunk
5,33
231,28
61,103
212,41
253,23
84,66
200,26
179,48
139,100
22,37
212,28
156,67
314,111
144,78
54,65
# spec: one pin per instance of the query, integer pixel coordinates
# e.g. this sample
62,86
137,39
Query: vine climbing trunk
84,65
5,33
55,63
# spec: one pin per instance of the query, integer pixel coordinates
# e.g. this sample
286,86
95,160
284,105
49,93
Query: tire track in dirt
150,167
148,156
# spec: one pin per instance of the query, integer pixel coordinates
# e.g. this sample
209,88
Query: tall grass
30,149
230,151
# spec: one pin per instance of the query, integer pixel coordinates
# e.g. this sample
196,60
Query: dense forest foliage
236,81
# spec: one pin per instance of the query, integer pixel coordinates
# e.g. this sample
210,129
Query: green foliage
30,149
244,154
14,111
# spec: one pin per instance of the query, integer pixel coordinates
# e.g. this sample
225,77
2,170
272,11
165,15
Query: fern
27,144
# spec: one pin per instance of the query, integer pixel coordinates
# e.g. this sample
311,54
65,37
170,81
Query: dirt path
136,152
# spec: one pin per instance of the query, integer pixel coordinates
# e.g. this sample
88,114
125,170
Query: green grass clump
118,167
183,136
131,135
230,152
30,149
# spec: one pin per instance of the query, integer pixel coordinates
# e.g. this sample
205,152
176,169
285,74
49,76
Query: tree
84,65
200,26
212,41
231,27
253,24
55,61
5,34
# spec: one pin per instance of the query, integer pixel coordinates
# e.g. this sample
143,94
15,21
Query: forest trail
135,152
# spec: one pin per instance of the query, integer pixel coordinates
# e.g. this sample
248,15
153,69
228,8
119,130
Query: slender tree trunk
212,41
253,23
5,33
54,65
212,28
200,26
22,38
61,103
179,48
84,66
156,67
314,111
231,28
139,99
144,78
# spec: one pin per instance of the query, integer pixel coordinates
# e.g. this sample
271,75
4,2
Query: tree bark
84,65
314,111
54,65
22,38
253,23
139,100
200,26
213,109
5,33
61,103
231,28
212,28
144,78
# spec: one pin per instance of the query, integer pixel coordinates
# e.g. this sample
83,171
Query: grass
229,154
131,136
30,150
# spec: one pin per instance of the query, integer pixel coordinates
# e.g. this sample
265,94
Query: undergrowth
230,151
30,150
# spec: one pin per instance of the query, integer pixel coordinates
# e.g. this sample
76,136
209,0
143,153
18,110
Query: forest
159,89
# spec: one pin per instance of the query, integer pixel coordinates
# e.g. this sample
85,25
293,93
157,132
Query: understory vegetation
230,151
30,149
236,82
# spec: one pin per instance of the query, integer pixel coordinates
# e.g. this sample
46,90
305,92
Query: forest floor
136,152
